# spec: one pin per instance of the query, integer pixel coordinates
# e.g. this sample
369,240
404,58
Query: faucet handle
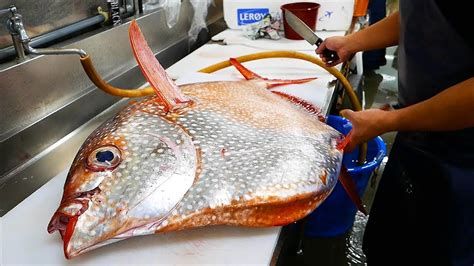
4,11
12,9
15,25
8,10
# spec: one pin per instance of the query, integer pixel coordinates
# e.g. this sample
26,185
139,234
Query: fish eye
104,158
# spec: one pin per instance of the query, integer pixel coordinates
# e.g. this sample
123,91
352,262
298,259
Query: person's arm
451,109
382,34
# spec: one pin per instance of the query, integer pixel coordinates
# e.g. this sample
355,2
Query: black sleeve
459,14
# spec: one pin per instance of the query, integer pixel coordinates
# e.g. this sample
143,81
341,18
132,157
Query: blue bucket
335,216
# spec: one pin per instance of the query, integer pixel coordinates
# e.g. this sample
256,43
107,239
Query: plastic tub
335,216
306,11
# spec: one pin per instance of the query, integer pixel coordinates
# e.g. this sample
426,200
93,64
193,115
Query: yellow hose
101,84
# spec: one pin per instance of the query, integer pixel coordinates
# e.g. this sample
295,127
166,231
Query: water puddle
354,253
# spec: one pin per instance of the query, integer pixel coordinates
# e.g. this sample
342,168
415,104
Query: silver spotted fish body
239,156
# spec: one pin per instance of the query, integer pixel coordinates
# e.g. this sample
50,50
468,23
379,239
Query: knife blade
308,34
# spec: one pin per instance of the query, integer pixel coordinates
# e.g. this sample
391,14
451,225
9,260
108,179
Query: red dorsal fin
167,92
249,75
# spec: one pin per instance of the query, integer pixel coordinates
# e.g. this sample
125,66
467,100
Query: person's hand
366,125
340,44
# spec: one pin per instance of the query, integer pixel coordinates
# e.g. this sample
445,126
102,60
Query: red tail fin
166,90
249,75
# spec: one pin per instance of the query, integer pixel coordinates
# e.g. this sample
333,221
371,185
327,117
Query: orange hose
101,84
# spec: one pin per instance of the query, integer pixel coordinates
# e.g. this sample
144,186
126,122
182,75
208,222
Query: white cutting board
210,54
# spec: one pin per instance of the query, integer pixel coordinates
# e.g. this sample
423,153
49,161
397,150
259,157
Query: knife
308,34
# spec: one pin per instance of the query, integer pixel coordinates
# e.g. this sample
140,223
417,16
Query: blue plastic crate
335,216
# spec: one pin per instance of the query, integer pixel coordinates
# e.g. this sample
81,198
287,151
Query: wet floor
380,88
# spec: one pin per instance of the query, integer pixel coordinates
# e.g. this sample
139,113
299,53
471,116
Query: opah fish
201,154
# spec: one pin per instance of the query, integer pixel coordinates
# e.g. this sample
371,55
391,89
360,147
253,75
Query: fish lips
65,218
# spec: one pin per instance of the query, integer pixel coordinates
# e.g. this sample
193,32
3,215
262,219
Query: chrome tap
17,31
21,40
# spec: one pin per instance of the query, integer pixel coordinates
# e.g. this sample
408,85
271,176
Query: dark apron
424,205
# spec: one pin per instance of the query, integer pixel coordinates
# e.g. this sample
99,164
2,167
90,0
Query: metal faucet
21,40
17,31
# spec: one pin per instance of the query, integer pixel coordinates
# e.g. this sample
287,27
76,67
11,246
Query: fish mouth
65,221
65,218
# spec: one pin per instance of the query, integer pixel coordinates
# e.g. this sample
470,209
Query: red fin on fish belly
350,188
271,83
343,143
346,180
168,93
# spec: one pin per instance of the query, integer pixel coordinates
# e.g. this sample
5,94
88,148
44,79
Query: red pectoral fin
271,83
350,188
343,144
168,93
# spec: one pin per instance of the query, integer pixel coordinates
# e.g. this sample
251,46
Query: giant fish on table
202,154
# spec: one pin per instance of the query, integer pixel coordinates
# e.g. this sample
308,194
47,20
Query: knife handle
329,54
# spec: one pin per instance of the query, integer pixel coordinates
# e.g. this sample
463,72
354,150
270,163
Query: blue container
335,216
